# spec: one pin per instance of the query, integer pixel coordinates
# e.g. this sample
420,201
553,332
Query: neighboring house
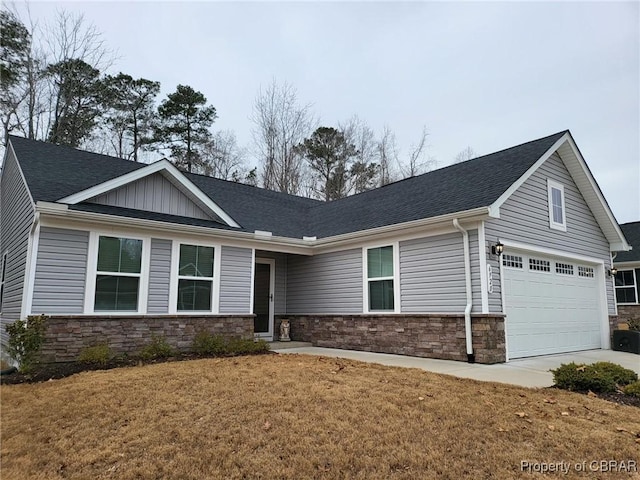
627,282
115,251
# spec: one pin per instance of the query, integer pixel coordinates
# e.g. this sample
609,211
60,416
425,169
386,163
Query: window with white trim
586,272
118,274
564,268
557,216
3,274
627,288
380,278
539,265
512,261
195,278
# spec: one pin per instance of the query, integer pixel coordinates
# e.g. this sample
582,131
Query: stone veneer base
421,335
66,336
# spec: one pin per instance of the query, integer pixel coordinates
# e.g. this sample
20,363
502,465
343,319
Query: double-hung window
195,278
627,288
380,279
557,217
118,274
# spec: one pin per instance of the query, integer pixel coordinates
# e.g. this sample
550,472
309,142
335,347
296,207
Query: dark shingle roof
632,234
463,186
53,172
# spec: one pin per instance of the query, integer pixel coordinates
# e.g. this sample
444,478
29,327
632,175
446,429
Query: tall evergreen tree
14,56
130,112
78,101
329,156
185,120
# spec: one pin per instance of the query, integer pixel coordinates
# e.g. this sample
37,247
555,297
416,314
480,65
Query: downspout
467,277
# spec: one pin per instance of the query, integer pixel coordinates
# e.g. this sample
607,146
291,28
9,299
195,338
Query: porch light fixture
497,249
613,271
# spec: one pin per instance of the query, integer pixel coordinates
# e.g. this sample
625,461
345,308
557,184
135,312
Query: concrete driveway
528,372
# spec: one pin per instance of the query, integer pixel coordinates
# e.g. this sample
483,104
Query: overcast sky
479,74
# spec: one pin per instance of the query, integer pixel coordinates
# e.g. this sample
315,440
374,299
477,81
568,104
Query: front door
263,286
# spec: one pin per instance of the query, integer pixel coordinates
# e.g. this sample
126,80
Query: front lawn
293,416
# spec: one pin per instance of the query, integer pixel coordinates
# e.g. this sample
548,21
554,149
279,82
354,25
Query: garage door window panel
512,261
627,291
564,268
537,265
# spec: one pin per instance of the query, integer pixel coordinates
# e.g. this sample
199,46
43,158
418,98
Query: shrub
633,389
207,344
241,346
619,374
157,348
25,340
598,377
99,354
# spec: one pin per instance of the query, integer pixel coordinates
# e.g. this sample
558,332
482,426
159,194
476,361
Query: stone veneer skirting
66,336
420,335
628,312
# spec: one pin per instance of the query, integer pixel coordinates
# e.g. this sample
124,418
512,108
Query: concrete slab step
275,346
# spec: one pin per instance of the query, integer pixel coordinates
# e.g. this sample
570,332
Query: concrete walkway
528,372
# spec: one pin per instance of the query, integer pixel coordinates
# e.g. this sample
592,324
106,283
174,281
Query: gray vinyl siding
159,276
280,294
61,267
432,275
495,298
16,217
329,283
235,280
524,217
476,286
154,194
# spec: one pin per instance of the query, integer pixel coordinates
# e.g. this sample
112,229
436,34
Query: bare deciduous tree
464,155
417,161
280,124
224,158
387,156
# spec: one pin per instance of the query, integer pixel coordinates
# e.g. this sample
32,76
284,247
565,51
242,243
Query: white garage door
552,305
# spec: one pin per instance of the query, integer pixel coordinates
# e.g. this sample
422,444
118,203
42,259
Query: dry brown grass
282,416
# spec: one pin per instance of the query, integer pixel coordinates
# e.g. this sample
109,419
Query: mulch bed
53,371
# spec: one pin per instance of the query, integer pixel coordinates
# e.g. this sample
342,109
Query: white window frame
92,273
562,226
395,277
635,286
175,277
3,275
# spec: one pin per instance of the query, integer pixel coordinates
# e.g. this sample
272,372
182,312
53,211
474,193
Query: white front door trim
272,286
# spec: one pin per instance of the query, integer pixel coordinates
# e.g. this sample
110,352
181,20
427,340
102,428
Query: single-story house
627,279
500,257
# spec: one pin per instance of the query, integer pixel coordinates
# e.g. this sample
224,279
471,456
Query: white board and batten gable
159,187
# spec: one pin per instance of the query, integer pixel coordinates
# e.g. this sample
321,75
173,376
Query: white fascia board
495,206
58,215
300,246
626,265
412,229
620,243
24,180
167,168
